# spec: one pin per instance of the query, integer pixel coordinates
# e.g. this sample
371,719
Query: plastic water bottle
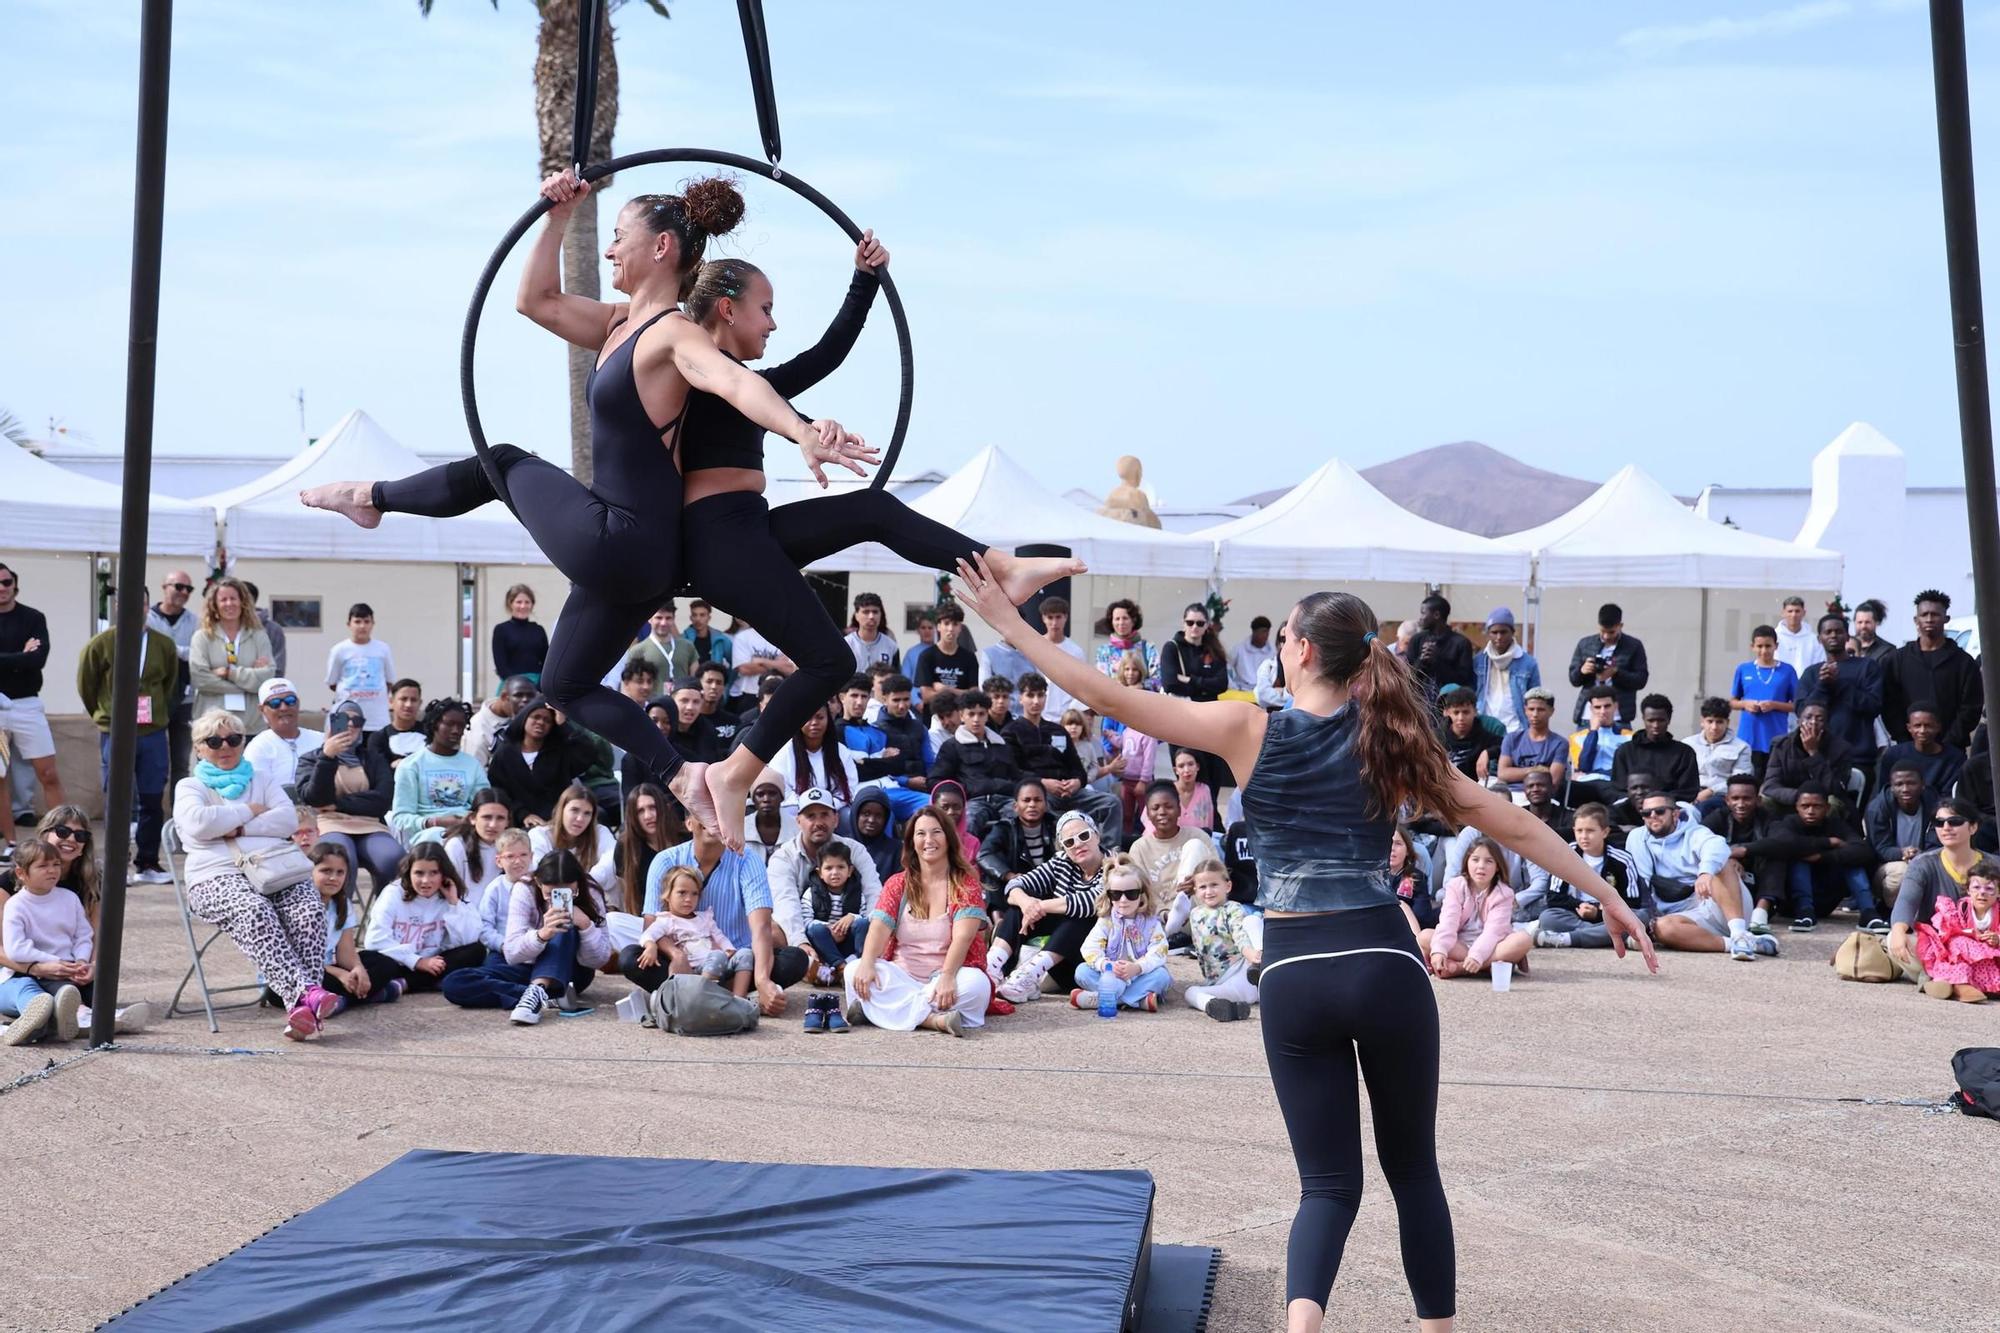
1107,992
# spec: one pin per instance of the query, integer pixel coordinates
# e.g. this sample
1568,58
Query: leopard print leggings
284,935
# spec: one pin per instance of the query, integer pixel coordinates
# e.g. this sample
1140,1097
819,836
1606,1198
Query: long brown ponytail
1401,756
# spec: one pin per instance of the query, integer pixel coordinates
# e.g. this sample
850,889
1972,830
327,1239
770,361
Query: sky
1233,240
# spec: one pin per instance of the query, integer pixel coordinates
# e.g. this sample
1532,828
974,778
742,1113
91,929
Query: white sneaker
1741,949
529,1011
152,875
68,1000
29,1023
1025,984
1766,945
1552,939
134,1017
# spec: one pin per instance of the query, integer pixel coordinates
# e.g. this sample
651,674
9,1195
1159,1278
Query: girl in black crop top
740,553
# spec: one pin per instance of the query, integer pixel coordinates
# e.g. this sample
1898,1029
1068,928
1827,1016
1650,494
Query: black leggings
745,556
621,564
1335,985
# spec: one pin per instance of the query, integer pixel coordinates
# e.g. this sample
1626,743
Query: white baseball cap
812,796
275,685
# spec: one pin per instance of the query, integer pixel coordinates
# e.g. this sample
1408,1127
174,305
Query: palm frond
12,429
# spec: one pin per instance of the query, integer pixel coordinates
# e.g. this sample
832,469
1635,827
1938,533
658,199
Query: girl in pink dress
1960,947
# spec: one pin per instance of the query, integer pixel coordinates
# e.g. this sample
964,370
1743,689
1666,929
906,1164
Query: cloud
1667,39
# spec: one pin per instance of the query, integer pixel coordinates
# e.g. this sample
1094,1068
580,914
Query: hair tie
1369,637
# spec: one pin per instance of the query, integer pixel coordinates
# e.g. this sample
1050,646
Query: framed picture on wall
296,612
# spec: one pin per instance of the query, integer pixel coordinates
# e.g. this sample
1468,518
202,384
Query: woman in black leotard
617,540
1343,983
742,554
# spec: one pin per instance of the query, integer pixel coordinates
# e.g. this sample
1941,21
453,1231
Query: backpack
1977,1069
694,1006
1861,957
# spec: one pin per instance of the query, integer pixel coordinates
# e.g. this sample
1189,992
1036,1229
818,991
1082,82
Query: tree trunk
555,104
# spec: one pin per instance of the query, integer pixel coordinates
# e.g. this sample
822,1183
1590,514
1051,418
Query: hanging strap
758,48
589,25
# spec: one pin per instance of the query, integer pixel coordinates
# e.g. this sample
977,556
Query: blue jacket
1524,673
721,648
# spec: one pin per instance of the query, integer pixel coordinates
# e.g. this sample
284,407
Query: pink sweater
1479,924
1139,752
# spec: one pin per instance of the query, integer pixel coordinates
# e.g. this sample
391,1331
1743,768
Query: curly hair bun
713,205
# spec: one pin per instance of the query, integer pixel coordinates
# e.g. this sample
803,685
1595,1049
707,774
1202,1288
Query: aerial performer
659,385
1343,980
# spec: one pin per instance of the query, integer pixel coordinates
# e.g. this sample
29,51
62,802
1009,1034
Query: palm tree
12,430
555,110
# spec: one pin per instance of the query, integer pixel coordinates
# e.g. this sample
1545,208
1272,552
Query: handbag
272,870
1861,957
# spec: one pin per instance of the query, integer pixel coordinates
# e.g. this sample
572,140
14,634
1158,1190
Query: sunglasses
6,583
1196,624
282,701
1658,810
1077,839
1125,895
1950,821
223,742
64,833
181,587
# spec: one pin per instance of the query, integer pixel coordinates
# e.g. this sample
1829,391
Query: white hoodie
411,928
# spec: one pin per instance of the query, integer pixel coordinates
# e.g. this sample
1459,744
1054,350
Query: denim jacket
1524,673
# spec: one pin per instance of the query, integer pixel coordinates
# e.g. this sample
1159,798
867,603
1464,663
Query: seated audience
836,930
352,787
65,830
1959,946
1825,861
1808,755
1765,691
1016,843
1941,874
434,786
514,862
1505,672
1158,848
1538,794
1410,877
1535,745
282,742
1240,859
422,922
1058,899
727,724
1197,801
1527,882
736,890
1939,763
404,734
1625,812
814,759
1718,755
901,767
1594,750
999,692
1697,889
919,968
537,759
1975,783
48,943
871,823
792,867
1471,740
1228,947
1573,918
224,809
553,949
1850,685
1751,830
983,765
1898,828
473,842
1044,749
1126,951
1476,919
653,822
685,932
491,718
1131,754
345,973
1654,748
577,830
769,822
1120,631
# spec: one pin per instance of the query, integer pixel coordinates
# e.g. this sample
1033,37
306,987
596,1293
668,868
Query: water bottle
1107,992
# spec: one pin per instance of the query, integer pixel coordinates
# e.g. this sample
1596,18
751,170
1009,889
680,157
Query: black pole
156,25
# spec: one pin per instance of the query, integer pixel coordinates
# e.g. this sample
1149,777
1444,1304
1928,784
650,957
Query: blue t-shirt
1521,750
1777,681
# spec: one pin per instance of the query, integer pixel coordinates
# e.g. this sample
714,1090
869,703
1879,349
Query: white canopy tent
994,500
263,519
1632,533
44,507
1335,526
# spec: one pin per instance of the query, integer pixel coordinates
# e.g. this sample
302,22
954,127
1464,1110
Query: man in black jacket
1807,755
24,652
984,766
1610,657
1751,832
1016,842
1538,790
1851,689
1897,825
1932,668
1822,860
1044,750
1656,750
1439,654
902,765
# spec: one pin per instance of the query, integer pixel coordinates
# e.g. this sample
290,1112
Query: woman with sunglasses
1343,981
1194,665
1933,875
224,808
1058,899
67,829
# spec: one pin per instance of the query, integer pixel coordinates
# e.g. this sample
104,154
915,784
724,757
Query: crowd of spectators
950,836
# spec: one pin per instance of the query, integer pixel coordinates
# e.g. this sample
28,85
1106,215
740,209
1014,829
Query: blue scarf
228,783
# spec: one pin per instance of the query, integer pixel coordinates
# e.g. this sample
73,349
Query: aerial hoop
712,157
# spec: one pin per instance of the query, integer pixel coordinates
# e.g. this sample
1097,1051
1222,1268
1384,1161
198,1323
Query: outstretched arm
1518,831
574,319
1229,728
809,367
704,367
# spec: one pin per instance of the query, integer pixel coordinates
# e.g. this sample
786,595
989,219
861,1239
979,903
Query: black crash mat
451,1240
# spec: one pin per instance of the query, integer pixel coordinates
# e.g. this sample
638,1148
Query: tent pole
1968,325
1701,656
141,356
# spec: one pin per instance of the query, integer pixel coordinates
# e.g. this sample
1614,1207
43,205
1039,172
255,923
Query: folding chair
170,844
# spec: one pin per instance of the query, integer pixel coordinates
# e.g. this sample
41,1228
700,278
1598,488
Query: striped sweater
1062,879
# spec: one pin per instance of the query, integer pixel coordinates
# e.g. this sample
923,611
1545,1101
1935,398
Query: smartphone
562,897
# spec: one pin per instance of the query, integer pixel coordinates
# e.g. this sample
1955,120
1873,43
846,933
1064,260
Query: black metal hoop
713,157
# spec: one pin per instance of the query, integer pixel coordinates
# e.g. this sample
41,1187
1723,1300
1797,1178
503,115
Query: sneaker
394,990
1766,945
1760,921
152,875
1024,985
323,1002
1224,1011
1876,926
6,851
1552,939
1742,949
29,1024
529,1011
134,1017
1802,924
835,1020
1148,1003
68,1000
301,1023
1082,999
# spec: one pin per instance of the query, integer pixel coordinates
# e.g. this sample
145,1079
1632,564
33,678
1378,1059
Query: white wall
62,588
416,614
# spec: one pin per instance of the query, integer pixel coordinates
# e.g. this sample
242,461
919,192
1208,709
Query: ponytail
1397,743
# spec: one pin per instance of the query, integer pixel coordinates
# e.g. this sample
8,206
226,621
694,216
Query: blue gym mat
439,1240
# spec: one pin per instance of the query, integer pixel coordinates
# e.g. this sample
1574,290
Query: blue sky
1234,240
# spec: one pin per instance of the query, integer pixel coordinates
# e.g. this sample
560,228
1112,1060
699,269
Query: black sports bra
714,434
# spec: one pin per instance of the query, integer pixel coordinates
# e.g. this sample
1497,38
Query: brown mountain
1472,487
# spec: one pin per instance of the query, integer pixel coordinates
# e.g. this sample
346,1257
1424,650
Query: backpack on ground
694,1006
1861,957
1977,1069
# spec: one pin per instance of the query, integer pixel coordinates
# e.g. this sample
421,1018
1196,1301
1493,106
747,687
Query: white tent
1334,525
263,519
993,499
1632,533
44,507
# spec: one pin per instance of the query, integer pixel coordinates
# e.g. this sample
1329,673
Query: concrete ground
1685,1152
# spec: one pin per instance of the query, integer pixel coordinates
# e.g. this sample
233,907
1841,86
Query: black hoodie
883,849
532,789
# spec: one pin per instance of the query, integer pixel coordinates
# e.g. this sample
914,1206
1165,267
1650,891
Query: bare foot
690,788
1021,577
728,790
355,499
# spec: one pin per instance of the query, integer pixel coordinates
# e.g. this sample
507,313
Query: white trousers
1233,985
898,1001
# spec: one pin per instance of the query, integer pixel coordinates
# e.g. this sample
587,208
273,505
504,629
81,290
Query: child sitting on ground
346,976
48,940
1476,921
837,930
1229,945
1128,946
694,943
514,854
1960,945
1575,920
